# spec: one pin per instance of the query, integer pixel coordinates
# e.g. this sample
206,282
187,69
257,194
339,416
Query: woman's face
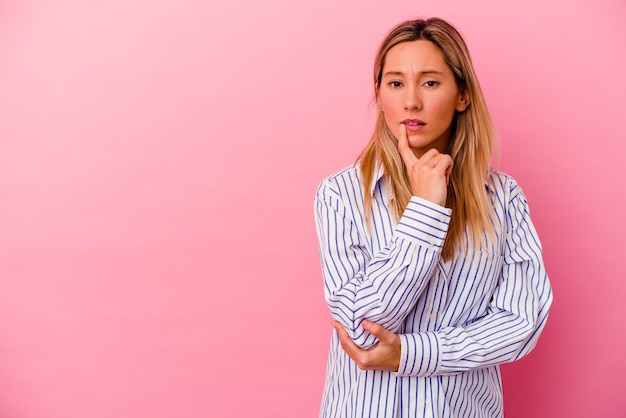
418,90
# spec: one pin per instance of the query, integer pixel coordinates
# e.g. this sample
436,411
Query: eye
431,83
394,84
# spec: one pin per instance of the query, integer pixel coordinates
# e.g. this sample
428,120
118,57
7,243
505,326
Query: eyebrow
402,74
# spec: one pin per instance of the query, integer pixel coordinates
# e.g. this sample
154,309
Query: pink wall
158,163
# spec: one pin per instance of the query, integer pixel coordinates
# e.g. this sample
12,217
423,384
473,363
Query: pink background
158,164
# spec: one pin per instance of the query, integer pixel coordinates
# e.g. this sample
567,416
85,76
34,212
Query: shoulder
346,180
507,195
503,185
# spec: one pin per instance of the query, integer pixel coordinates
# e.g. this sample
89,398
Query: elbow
364,339
351,332
532,332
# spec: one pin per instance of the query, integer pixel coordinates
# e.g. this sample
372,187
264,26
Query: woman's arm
514,319
380,287
510,329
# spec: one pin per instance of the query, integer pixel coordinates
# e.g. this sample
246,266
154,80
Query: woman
432,268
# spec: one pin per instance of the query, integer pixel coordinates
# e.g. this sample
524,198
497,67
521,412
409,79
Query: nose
412,100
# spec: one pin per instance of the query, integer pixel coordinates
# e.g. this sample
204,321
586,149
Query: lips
413,124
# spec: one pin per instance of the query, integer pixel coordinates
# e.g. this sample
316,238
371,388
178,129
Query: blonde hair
471,144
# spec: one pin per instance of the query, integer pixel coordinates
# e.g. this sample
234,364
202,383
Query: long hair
471,144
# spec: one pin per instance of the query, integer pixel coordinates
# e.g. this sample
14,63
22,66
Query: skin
384,355
417,84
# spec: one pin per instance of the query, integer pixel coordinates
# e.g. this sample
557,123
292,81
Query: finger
444,164
378,331
430,156
347,344
449,171
403,147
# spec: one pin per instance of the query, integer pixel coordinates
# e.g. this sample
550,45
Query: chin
417,143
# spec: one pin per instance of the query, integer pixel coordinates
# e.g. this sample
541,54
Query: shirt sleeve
514,319
380,287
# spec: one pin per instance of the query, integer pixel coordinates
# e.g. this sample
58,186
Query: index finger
404,149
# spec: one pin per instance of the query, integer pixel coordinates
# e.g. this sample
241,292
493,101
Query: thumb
378,331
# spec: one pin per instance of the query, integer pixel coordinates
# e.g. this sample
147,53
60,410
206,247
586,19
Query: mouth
413,124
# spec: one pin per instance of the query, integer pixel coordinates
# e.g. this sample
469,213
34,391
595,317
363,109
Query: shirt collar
489,182
379,171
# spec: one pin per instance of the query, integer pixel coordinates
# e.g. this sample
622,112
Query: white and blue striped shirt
457,319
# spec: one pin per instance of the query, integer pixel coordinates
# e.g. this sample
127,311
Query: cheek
389,113
444,108
384,105
388,102
391,122
390,110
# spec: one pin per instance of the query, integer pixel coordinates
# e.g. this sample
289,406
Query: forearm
383,294
503,335
385,287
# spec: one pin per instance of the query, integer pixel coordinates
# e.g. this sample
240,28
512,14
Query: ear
464,101
378,104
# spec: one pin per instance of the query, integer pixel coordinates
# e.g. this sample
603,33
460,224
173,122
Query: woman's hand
384,355
429,174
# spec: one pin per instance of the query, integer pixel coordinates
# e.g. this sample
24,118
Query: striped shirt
457,320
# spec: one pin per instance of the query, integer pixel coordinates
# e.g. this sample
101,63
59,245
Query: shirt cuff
420,354
424,222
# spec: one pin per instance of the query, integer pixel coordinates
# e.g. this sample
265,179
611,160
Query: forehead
417,55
